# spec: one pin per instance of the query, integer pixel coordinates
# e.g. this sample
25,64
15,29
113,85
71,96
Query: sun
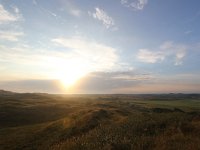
70,76
69,71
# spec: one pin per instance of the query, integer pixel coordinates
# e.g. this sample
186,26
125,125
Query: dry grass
106,122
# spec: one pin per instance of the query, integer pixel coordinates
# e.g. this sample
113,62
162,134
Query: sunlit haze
116,46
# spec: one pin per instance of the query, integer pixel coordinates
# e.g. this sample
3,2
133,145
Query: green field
99,122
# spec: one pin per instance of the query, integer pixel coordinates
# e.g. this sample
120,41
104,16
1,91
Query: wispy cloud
166,50
71,8
102,16
40,63
7,17
135,82
16,10
48,12
110,82
99,56
179,57
178,51
11,21
135,4
80,54
10,36
148,56
75,12
46,86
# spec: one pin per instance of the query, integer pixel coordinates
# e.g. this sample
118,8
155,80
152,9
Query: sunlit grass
42,121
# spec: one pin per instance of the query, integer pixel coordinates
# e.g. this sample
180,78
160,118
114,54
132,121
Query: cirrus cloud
10,36
11,22
135,4
7,17
102,16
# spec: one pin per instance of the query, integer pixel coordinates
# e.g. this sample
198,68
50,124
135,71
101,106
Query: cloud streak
148,56
136,82
10,36
10,21
166,50
103,17
77,55
75,12
136,5
179,57
7,17
41,86
110,82
98,56
71,8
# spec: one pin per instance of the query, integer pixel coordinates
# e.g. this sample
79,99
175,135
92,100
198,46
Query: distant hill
6,92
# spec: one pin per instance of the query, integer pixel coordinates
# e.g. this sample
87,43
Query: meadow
39,121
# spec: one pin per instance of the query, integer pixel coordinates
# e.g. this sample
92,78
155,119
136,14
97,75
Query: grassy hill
106,122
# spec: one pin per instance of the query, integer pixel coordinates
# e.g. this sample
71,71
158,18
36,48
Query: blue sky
115,46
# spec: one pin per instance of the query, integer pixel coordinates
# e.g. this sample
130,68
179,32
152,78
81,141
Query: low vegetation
100,122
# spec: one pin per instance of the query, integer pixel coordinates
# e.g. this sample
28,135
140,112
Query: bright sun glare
68,72
69,77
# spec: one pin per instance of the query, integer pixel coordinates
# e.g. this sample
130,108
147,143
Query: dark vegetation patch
161,110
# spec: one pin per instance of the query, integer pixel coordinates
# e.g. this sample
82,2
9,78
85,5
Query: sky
100,46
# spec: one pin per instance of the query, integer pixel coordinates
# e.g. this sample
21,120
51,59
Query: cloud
10,23
98,56
179,56
102,16
94,82
75,12
174,50
49,12
16,10
166,45
7,17
67,56
10,36
71,8
148,56
110,82
39,63
113,82
18,54
135,4
136,82
42,86
166,50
